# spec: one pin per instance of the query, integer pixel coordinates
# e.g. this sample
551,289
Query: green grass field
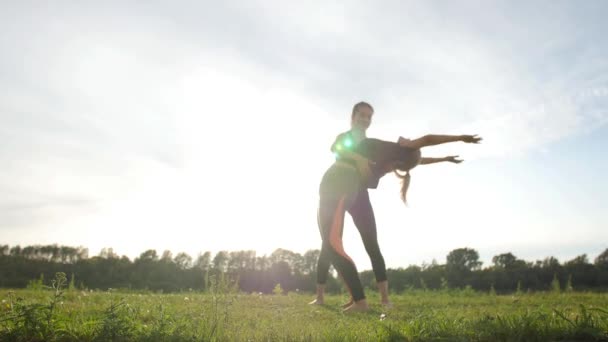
225,315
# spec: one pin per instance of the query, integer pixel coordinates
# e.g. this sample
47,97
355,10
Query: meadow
60,312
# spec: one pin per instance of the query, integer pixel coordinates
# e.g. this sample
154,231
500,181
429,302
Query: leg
331,220
365,221
322,270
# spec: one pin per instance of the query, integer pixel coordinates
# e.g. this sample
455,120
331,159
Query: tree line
293,271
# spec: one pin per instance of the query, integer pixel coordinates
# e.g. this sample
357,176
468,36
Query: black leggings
337,194
363,217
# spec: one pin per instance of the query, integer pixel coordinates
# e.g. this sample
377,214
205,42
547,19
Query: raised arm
433,139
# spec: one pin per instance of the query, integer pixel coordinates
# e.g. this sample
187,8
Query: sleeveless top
345,141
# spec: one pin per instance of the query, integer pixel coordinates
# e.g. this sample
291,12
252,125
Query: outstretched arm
451,159
433,139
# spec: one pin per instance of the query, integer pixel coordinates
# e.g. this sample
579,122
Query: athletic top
346,141
380,153
383,154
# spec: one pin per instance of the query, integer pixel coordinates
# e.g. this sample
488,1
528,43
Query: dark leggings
363,217
338,192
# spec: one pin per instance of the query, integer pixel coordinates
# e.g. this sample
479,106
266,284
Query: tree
459,264
15,251
581,273
602,259
507,261
550,263
220,261
262,263
311,258
28,252
463,259
579,260
167,256
237,261
183,260
65,253
108,253
289,258
149,255
203,261
18,265
504,260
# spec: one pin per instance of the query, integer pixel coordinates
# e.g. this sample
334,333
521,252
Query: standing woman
361,211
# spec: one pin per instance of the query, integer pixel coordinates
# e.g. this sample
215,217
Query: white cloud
144,112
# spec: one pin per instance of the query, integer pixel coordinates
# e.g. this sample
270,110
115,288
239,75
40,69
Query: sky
196,126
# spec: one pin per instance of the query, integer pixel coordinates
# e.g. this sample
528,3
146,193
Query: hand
452,159
403,141
471,139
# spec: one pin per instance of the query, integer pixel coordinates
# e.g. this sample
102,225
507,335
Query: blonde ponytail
405,184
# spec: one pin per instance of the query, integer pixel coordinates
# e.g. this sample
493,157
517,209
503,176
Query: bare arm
451,159
433,139
352,155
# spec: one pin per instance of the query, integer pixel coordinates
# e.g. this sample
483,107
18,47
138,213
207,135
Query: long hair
390,156
409,159
405,183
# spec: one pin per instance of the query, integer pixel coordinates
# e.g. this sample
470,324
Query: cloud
131,107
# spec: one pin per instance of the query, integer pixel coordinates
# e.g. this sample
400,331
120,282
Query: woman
361,210
342,184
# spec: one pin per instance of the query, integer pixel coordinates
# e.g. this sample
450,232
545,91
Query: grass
222,314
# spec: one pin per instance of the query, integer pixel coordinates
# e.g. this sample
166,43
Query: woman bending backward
341,184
